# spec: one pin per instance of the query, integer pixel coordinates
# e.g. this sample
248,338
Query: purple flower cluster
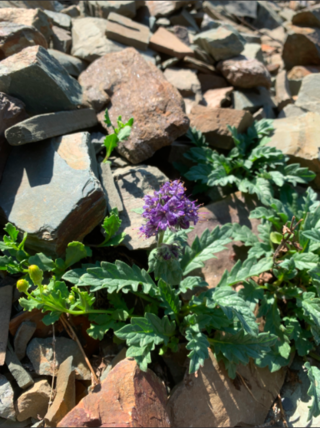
168,208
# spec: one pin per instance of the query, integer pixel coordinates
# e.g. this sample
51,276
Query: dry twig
54,365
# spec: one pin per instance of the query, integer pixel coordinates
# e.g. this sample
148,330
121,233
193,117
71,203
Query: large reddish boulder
128,397
302,47
137,89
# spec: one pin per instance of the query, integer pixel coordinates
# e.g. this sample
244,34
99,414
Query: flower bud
36,274
71,298
22,285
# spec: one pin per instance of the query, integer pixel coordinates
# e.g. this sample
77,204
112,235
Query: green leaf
51,318
12,231
199,172
314,390
5,261
305,260
276,237
124,133
111,225
102,324
42,261
311,309
204,248
191,282
272,360
110,143
170,300
295,174
168,270
196,137
300,336
75,252
107,120
198,345
142,355
313,234
244,234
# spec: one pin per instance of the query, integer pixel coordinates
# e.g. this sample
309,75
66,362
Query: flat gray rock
252,99
73,65
7,410
133,183
22,377
112,195
44,126
102,9
5,313
61,39
60,19
22,338
57,196
37,79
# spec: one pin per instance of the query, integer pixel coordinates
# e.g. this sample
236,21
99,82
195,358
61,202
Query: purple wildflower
168,208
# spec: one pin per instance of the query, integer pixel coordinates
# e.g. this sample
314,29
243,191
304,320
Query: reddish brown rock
31,17
299,71
216,98
308,17
212,399
245,73
34,402
166,42
213,124
127,398
138,89
15,37
302,47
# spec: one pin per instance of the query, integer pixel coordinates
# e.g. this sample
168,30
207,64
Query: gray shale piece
39,128
112,195
22,337
24,380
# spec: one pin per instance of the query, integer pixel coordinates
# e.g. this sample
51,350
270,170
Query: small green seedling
122,133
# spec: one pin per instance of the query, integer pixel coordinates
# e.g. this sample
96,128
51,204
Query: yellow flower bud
22,285
71,298
36,274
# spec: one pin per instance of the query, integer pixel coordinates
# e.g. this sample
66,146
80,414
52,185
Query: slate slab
112,195
166,42
61,39
22,377
7,410
37,79
74,66
22,337
128,32
102,9
44,126
5,313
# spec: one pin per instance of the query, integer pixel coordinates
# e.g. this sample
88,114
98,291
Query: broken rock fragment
102,9
22,337
34,402
216,98
166,42
138,89
7,410
185,81
302,47
58,197
73,65
5,313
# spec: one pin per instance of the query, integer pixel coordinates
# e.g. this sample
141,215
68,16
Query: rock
112,195
182,33
55,183
283,94
31,17
44,126
299,72
253,99
227,404
221,43
7,410
128,32
45,4
4,153
241,8
59,19
267,17
253,51
216,98
131,397
22,377
22,338
5,313
89,40
185,81
198,65
34,402
72,11
15,37
61,39
96,98
286,14
163,22
35,316
302,47
307,17
309,94
245,73
251,38
116,360
291,110
102,9
211,81
97,139
73,65
154,103
133,183
65,399
12,111
40,353
298,138
39,81
185,19
213,124
166,42
164,8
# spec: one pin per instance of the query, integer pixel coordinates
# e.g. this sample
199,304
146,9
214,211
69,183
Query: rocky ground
169,65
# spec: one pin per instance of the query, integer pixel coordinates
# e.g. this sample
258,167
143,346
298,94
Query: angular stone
133,183
7,410
73,65
102,9
55,183
72,11
154,103
4,154
185,81
226,404
267,17
253,51
97,139
245,73
164,8
61,39
15,37
221,43
35,316
216,98
40,353
253,99
307,17
166,42
211,81
291,110
309,94
112,195
31,17
22,377
12,111
182,33
89,40
184,18
44,126
298,137
128,397
39,81
34,4
299,72
65,399
128,32
198,65
59,19
251,38
302,47
22,338
5,313
34,402
283,94
213,124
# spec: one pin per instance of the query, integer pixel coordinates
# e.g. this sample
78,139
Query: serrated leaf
305,260
300,336
272,360
102,324
168,270
198,345
313,234
244,234
51,318
42,261
110,143
199,172
295,174
170,299
12,231
111,225
314,390
142,355
191,282
4,262
311,307
75,252
124,133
